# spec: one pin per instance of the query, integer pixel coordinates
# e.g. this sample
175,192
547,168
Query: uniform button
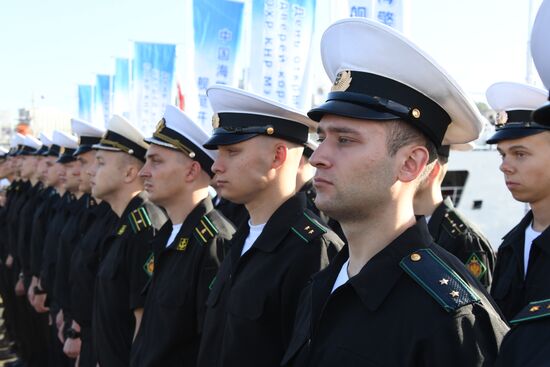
416,257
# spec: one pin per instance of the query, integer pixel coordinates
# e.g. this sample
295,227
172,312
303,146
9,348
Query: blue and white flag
152,79
121,88
217,25
85,100
102,99
280,50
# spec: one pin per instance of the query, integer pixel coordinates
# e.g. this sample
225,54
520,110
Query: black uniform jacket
32,202
510,289
461,238
252,304
85,262
169,334
412,304
42,216
122,275
528,343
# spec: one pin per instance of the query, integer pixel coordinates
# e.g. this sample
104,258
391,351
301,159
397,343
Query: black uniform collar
278,225
514,237
189,224
434,225
135,203
378,277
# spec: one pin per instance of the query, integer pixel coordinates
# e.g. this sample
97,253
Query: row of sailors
126,259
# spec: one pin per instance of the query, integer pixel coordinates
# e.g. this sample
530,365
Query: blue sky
50,46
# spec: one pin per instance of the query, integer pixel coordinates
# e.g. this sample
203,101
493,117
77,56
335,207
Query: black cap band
369,96
26,150
86,144
53,151
235,127
516,124
66,156
119,142
181,143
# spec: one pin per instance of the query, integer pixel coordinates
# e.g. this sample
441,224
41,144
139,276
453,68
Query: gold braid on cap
159,135
116,144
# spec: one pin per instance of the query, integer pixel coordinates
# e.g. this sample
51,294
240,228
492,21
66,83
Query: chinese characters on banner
217,25
152,77
388,12
280,50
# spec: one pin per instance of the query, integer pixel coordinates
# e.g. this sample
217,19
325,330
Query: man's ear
279,156
131,172
193,171
414,162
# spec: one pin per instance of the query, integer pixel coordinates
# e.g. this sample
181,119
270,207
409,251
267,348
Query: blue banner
280,50
85,100
121,88
102,99
152,78
217,25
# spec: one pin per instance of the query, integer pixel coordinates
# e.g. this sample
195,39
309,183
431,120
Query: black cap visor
513,133
225,137
83,149
348,109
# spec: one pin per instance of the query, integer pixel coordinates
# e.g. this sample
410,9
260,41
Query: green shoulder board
139,219
534,310
307,228
205,230
438,279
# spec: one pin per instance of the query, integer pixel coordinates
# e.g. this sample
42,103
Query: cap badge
161,125
342,82
502,118
215,121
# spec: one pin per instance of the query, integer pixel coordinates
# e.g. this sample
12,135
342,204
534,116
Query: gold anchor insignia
215,121
121,230
182,244
342,82
161,125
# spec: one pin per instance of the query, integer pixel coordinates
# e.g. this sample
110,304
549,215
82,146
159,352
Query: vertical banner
121,88
391,13
85,100
217,25
153,75
361,8
280,50
102,99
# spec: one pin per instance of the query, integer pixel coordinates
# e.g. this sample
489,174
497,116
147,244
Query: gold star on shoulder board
443,281
454,294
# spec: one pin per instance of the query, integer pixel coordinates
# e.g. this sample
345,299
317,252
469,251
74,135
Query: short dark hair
400,134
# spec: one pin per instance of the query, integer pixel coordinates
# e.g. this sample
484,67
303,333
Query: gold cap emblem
502,118
161,125
215,121
342,82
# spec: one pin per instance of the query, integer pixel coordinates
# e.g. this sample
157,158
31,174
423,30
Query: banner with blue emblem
217,26
152,79
85,100
280,50
121,88
102,99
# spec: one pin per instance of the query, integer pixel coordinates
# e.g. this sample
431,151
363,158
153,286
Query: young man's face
525,167
243,169
70,176
28,166
164,174
355,173
107,176
51,172
86,160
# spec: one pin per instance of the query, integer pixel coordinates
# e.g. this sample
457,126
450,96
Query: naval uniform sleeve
308,262
140,262
471,338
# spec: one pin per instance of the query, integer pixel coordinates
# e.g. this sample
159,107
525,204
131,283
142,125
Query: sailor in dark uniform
521,272
188,248
392,297
251,307
127,263
528,343
448,227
